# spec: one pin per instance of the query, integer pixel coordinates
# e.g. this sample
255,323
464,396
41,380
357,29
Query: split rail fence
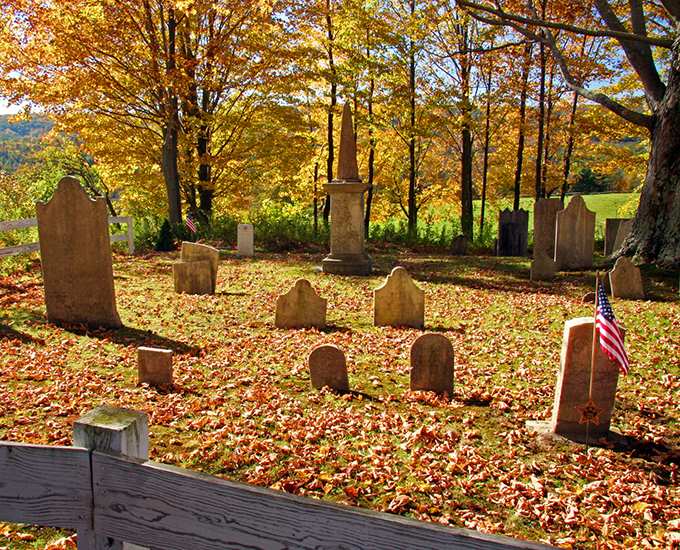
116,499
13,225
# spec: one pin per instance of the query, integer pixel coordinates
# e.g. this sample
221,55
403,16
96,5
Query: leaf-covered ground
242,406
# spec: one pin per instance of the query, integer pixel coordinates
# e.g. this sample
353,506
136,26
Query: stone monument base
347,264
544,429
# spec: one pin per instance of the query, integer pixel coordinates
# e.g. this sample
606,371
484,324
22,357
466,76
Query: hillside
18,140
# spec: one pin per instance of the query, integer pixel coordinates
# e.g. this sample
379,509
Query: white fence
13,225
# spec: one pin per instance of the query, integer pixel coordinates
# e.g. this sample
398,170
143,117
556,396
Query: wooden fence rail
117,498
13,225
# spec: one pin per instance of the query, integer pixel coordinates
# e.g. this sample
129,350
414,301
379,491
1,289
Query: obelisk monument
347,256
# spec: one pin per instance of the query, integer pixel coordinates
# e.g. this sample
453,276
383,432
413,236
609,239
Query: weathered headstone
154,366
195,252
327,367
611,230
245,239
625,280
459,246
192,277
575,236
513,232
625,227
543,268
573,382
75,253
300,307
432,364
545,217
398,302
347,255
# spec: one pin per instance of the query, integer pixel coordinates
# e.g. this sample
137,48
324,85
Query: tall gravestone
611,230
543,266
622,232
245,239
347,256
75,253
575,236
398,302
513,232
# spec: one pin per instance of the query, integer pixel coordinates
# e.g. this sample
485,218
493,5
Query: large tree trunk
538,182
371,141
570,147
655,236
331,108
487,143
522,124
412,203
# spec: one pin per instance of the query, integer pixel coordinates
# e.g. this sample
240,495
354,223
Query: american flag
191,226
611,338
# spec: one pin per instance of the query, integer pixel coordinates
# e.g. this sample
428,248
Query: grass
242,407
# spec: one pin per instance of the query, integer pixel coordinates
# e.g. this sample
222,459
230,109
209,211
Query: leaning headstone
195,252
513,233
459,246
432,364
611,230
154,366
625,227
192,277
398,302
545,216
75,254
245,240
300,307
347,255
573,381
328,368
575,236
543,268
625,280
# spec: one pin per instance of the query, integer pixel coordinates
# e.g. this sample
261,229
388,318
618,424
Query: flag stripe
610,335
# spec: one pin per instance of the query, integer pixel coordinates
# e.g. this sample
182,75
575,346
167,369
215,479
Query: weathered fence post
111,430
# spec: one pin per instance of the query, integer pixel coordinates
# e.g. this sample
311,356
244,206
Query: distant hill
19,140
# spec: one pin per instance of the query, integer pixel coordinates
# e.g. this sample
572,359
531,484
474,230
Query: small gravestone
195,252
573,382
625,280
545,216
154,366
300,307
513,233
625,227
432,364
588,298
245,240
192,277
398,302
575,236
611,230
75,255
543,268
459,246
328,368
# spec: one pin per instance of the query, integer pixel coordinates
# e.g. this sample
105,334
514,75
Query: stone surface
154,366
301,307
575,236
588,298
625,280
625,227
328,368
543,268
545,218
432,364
192,277
398,302
245,239
459,246
513,233
573,382
75,254
347,255
195,252
611,230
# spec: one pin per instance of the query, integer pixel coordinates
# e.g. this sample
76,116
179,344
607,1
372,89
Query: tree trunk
205,184
538,182
412,203
522,123
331,109
466,219
487,142
371,143
316,198
570,147
171,134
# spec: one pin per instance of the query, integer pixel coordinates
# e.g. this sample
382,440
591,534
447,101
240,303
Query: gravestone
328,368
398,302
347,255
573,381
575,236
513,233
611,230
75,255
154,366
192,277
543,268
432,364
300,307
545,217
459,246
245,240
195,252
625,280
625,227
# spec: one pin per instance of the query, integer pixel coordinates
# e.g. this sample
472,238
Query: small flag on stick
191,226
610,336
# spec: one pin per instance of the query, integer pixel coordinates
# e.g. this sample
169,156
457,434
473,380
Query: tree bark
371,141
522,123
570,147
538,182
331,109
412,203
487,142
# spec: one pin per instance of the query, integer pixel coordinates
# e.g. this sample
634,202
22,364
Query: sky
5,109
